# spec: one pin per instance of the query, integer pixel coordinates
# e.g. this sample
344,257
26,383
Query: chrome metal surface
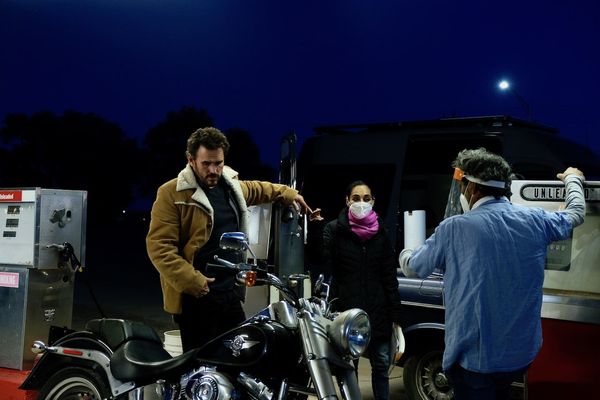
572,307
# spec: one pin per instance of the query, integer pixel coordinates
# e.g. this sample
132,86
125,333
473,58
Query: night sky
273,66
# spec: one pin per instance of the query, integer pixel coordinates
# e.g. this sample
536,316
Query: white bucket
173,343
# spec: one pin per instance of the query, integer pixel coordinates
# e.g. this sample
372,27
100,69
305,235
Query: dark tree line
83,151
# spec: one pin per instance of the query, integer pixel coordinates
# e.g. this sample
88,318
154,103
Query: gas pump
42,244
290,226
566,366
281,228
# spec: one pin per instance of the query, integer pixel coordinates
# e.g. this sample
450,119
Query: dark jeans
470,385
379,354
202,319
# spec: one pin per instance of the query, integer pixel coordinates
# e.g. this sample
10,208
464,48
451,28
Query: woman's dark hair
355,184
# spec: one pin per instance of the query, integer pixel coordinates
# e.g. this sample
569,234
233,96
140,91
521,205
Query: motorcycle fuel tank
265,347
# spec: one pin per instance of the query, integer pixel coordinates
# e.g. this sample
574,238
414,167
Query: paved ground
364,380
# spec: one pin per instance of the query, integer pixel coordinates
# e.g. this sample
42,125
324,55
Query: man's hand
404,260
315,215
301,205
205,289
569,171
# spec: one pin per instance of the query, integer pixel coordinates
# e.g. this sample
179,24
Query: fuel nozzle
66,255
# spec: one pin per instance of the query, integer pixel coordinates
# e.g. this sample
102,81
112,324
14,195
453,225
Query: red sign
9,279
10,195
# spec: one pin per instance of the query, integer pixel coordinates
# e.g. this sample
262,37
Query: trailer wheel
424,378
75,383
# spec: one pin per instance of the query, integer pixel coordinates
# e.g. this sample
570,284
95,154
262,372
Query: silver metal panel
259,229
44,297
571,307
257,298
62,219
571,264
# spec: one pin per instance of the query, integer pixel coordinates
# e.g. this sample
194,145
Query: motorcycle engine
206,384
256,389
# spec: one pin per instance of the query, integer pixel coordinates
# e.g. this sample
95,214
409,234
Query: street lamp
504,85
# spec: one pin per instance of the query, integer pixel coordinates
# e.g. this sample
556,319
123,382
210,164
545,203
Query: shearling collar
187,180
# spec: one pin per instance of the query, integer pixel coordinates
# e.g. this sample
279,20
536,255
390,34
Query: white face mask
464,203
360,209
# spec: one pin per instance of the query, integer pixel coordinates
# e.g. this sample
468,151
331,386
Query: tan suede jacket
181,223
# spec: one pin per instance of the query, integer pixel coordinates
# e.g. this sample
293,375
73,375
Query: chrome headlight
350,332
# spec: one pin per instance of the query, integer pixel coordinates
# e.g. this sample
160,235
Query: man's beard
212,180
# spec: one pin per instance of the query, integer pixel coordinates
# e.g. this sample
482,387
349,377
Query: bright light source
503,85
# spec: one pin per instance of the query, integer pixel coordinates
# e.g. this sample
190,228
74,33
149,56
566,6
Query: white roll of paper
414,229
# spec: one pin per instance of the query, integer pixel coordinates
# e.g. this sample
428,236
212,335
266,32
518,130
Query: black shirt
226,219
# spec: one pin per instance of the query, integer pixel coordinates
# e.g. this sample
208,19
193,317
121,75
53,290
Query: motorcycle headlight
350,332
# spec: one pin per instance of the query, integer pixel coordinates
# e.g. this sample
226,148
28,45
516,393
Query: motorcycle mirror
234,241
237,241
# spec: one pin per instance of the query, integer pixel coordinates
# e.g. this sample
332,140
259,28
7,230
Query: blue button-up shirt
493,260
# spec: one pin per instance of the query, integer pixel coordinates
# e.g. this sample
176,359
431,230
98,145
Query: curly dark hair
209,137
486,166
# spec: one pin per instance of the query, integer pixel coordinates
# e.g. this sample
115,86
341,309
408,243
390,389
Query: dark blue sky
272,66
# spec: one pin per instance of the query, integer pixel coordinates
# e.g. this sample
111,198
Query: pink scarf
365,227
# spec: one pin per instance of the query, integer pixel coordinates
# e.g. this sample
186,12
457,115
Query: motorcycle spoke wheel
74,384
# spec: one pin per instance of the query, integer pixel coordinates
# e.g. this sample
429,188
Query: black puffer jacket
363,273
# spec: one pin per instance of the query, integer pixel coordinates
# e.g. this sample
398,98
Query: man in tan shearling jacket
188,217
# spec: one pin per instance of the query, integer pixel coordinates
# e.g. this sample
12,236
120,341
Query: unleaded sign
556,192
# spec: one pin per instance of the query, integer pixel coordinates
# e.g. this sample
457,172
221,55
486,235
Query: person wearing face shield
358,257
493,257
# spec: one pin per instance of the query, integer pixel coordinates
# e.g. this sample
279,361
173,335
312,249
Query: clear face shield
453,206
457,202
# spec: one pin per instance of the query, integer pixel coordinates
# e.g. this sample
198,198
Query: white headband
496,184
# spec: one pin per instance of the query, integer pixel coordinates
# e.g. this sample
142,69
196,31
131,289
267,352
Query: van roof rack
480,122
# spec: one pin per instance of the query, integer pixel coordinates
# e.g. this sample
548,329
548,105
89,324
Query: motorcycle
292,349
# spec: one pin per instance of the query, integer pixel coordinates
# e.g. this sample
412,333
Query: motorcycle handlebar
260,275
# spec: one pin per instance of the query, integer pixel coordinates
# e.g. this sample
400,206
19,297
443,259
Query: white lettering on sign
11,195
9,279
556,193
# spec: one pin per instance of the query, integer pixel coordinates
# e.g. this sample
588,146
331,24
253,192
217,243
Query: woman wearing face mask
358,256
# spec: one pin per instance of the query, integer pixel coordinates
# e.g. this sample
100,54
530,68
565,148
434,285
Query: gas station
43,245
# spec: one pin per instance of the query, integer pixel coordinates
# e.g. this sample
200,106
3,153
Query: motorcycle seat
144,362
114,332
